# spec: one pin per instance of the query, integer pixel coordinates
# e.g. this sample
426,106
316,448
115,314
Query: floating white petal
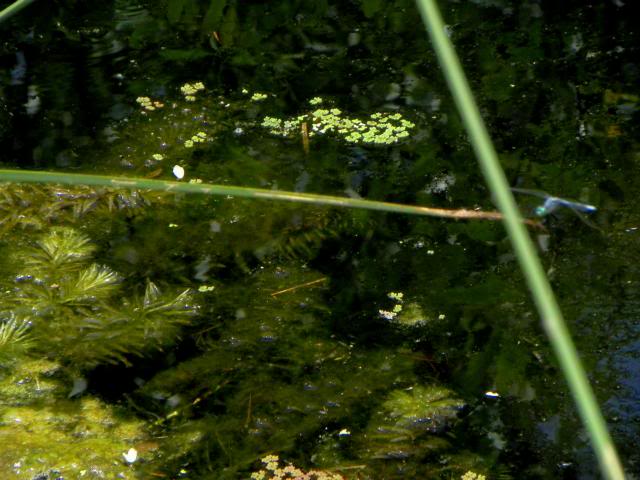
178,172
130,456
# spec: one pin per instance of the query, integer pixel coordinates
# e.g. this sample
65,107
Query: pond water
154,335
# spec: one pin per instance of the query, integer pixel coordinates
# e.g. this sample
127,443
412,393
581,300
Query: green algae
44,433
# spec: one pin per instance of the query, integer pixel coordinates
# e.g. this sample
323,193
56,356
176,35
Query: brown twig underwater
291,289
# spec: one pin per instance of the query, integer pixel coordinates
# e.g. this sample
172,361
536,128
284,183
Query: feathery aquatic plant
410,423
37,207
69,303
15,340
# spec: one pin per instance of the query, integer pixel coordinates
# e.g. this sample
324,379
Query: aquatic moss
45,435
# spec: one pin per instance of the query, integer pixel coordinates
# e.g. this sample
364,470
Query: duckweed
189,90
258,97
378,129
186,124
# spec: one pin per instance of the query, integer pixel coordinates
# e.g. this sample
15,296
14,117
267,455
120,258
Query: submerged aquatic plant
410,423
15,339
71,306
37,207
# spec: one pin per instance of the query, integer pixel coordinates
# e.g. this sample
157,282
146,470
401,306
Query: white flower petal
130,456
178,172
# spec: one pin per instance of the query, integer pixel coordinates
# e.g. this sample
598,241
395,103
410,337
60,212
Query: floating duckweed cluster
189,90
196,118
377,129
272,471
199,137
177,126
397,308
406,314
147,104
258,97
472,476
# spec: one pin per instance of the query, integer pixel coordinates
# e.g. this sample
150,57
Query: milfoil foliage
74,310
273,376
25,207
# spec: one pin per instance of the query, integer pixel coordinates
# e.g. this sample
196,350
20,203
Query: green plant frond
423,407
140,326
154,302
15,339
61,249
37,207
76,317
151,295
96,282
411,422
305,242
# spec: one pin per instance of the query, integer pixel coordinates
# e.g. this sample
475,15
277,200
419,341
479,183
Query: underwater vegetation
266,376
260,369
408,417
32,208
463,326
62,315
74,309
272,378
45,434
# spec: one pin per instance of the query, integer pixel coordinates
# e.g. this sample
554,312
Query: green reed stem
27,176
14,8
543,296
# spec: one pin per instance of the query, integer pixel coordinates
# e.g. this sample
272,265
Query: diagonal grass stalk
543,296
14,8
27,176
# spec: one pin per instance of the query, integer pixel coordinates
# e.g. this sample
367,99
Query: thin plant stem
14,8
27,176
537,281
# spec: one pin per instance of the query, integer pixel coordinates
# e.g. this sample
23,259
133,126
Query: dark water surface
207,333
